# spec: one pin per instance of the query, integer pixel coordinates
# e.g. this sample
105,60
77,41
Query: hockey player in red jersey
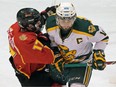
29,54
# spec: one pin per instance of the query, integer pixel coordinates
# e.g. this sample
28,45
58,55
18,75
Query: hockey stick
110,62
89,64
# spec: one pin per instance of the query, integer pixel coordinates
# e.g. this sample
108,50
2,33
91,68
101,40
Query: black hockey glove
47,12
58,62
98,60
43,38
51,10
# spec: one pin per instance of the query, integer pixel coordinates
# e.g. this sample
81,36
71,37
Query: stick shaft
85,64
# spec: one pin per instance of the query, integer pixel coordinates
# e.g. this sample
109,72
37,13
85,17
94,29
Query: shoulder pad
51,22
84,25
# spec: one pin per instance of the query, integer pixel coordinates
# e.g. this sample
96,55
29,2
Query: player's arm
101,40
32,50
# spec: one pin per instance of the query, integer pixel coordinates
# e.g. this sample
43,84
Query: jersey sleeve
100,38
31,50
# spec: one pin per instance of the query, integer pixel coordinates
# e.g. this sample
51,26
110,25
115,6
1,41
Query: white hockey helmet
65,10
65,15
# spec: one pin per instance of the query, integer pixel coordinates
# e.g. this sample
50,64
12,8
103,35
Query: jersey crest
91,29
23,37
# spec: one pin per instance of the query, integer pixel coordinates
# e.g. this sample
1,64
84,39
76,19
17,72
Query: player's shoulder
51,22
85,26
28,36
24,37
15,26
82,23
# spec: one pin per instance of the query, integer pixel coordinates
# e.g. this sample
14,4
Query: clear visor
66,22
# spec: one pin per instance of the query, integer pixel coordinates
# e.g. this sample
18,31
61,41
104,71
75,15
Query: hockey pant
73,74
37,79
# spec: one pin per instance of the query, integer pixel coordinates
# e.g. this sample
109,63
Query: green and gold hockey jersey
83,37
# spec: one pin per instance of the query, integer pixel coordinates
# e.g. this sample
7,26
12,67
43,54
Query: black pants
72,74
37,79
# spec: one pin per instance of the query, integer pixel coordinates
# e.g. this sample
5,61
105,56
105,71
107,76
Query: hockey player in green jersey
79,42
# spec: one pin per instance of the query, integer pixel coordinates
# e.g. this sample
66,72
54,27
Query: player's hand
43,38
47,12
59,62
51,10
68,55
98,60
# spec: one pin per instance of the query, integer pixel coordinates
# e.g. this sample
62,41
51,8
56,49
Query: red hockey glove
98,60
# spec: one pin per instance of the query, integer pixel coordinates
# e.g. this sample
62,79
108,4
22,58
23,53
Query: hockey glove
98,60
51,10
58,62
68,55
43,38
47,12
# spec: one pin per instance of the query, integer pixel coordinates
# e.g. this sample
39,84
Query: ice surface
101,12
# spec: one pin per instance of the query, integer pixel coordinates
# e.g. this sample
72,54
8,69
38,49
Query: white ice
101,12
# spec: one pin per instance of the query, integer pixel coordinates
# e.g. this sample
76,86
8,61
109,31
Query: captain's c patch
79,40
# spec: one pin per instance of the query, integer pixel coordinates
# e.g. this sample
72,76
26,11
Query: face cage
31,24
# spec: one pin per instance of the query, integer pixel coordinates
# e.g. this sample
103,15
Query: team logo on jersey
67,54
23,37
79,40
91,29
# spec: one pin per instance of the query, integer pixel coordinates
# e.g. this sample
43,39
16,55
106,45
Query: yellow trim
41,68
83,33
105,40
81,17
24,73
87,77
101,59
12,52
19,54
57,66
51,51
46,47
53,28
